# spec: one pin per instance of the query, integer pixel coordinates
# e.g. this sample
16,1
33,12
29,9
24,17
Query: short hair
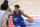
6,1
0,7
4,6
17,6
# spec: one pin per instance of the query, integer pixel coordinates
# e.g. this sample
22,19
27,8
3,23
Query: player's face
16,9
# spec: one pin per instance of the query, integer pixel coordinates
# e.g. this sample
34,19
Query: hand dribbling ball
30,20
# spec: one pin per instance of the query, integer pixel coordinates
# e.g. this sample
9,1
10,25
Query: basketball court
30,8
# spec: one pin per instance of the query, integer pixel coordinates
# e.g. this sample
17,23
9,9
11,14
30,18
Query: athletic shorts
21,24
7,22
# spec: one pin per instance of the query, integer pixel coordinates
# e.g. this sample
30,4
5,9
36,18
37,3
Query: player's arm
9,9
4,22
11,13
5,16
30,20
24,14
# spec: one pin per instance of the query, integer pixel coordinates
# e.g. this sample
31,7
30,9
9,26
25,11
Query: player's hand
10,22
30,20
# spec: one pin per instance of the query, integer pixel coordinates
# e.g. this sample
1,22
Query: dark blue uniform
18,20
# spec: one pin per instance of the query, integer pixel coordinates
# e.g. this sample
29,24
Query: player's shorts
7,22
21,24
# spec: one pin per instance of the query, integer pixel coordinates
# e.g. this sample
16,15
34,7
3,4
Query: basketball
30,20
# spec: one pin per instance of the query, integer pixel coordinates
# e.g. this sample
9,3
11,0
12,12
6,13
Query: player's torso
17,17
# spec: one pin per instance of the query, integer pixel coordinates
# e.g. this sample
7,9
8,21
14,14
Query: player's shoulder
2,11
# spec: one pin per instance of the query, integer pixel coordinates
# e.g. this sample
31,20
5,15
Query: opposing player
18,21
8,10
3,15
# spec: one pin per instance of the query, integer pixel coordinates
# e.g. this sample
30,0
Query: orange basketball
30,20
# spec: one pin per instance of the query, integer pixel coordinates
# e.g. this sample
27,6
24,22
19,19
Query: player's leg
16,24
7,23
22,24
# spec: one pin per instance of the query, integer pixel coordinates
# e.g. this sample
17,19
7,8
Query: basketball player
18,21
3,15
8,10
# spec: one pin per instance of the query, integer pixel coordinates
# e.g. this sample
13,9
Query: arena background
30,8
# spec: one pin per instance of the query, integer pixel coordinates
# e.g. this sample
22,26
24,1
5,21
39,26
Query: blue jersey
17,17
18,20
